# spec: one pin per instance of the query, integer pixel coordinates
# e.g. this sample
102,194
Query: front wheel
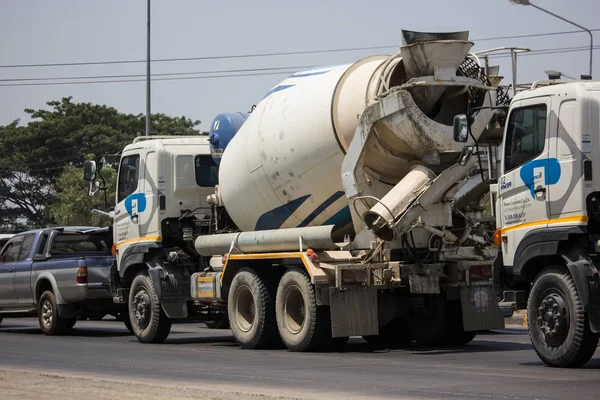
558,326
148,321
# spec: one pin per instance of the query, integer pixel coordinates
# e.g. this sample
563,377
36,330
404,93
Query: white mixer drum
282,169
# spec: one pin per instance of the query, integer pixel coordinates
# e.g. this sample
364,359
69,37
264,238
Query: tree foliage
34,157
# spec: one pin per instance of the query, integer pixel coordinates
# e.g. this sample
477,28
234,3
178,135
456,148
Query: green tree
34,156
72,205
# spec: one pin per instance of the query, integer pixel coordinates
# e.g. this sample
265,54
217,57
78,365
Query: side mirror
460,128
94,187
89,171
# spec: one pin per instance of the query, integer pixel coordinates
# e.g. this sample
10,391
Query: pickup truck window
81,243
128,176
11,251
26,247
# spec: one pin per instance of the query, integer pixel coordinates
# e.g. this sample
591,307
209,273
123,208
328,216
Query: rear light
354,276
480,272
311,254
82,275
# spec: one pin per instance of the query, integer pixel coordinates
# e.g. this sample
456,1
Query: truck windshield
68,243
207,171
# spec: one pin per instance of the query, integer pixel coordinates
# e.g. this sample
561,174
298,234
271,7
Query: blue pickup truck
58,275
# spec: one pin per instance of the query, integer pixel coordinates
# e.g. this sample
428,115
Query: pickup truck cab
58,275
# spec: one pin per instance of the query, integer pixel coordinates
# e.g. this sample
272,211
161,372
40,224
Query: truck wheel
558,327
394,335
456,333
127,323
428,325
302,325
220,324
50,322
251,310
149,322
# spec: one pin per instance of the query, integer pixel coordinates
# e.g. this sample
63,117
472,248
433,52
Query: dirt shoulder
34,386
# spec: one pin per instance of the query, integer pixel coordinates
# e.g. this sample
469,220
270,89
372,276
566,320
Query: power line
271,54
143,80
15,82
295,68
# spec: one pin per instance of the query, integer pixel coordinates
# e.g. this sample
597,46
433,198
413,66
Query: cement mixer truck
354,200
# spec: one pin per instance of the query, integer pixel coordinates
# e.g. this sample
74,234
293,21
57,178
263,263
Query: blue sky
43,31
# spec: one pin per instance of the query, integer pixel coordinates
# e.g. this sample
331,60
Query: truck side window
11,251
26,246
207,171
525,135
128,176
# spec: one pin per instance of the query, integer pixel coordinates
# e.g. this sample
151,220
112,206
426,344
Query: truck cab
547,214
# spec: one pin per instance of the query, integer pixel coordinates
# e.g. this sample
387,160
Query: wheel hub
47,313
294,309
141,308
244,309
553,319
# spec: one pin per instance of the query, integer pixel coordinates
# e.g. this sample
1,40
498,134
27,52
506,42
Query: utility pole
148,121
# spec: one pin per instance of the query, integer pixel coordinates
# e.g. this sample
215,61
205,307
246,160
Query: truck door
148,220
23,271
10,253
527,173
129,202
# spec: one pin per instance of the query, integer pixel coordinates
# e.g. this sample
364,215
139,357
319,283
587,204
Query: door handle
540,190
11,269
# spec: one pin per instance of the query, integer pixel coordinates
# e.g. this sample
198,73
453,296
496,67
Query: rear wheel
428,324
251,310
50,321
558,326
148,321
395,334
219,324
456,332
302,325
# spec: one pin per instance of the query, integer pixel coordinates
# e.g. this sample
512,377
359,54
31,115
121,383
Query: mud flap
594,307
480,309
353,311
173,290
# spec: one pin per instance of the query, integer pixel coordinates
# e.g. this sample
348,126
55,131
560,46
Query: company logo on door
532,172
503,184
140,199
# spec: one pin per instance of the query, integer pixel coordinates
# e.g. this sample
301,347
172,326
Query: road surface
195,362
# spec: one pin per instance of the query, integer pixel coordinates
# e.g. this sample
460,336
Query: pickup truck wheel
251,310
149,322
558,326
50,322
302,325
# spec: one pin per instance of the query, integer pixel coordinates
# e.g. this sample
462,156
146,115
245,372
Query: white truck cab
547,214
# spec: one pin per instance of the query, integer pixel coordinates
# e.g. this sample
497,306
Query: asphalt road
498,365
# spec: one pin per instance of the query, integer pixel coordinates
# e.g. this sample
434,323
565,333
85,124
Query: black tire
428,326
218,324
148,321
302,325
394,335
127,323
558,327
50,321
457,336
251,310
